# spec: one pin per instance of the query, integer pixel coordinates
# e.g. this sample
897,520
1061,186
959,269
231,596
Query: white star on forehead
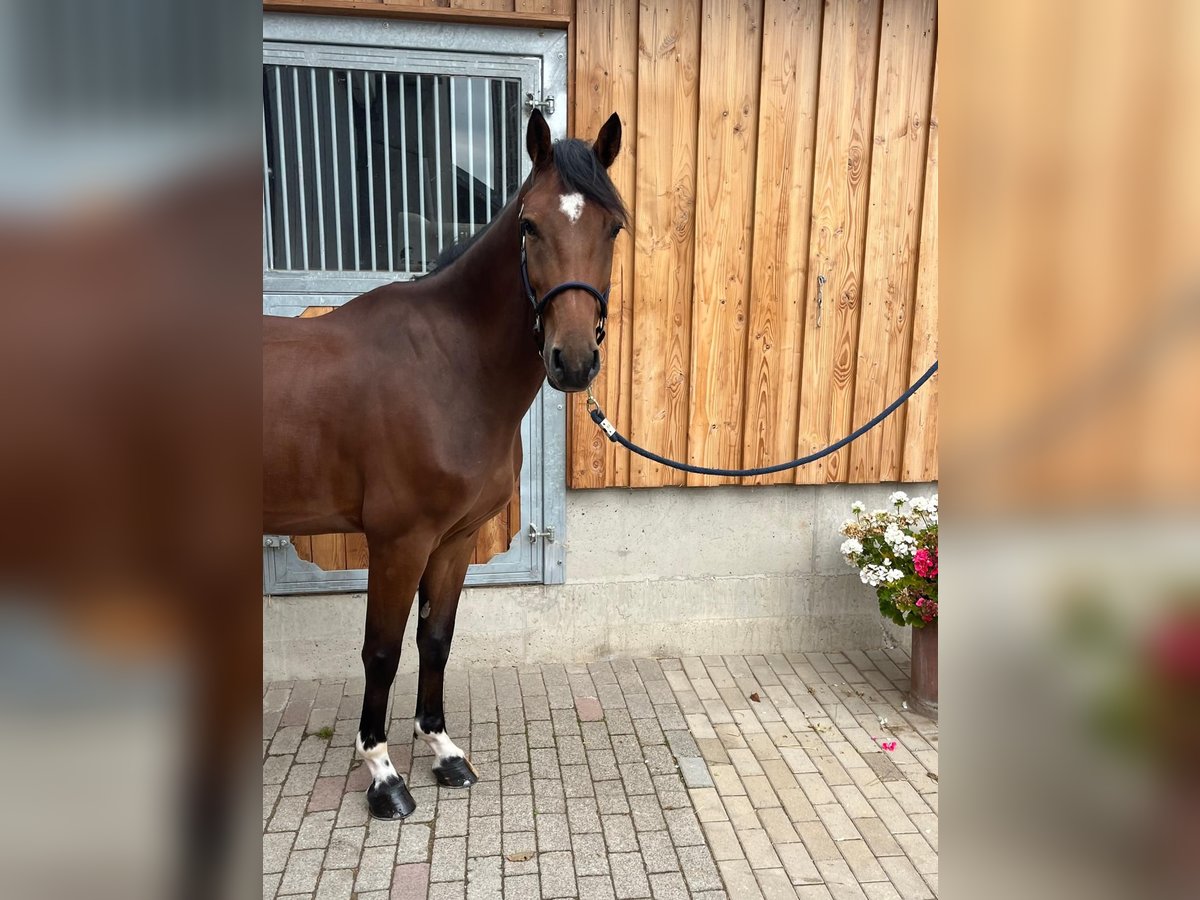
571,206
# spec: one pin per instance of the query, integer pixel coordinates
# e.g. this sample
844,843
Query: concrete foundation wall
663,572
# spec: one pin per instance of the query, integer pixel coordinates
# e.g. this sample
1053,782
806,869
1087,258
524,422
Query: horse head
570,217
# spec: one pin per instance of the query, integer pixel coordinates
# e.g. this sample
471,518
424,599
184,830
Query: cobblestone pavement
703,777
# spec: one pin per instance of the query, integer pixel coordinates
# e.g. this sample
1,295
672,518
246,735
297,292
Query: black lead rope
608,428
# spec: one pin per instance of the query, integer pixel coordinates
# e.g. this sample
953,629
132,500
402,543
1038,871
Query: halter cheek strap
539,306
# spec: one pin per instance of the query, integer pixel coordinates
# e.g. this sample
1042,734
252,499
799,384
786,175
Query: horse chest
465,478
491,486
499,480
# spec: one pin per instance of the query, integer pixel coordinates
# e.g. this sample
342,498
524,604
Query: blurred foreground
129,468
1070,272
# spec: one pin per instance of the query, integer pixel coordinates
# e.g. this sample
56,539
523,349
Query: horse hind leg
392,580
441,588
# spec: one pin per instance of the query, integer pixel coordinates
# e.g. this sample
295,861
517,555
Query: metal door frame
536,560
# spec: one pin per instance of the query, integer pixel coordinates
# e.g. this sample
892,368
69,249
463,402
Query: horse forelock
580,171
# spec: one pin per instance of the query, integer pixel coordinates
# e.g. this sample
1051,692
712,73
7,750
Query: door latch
534,534
546,105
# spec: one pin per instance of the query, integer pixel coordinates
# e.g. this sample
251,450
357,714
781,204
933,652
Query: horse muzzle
570,370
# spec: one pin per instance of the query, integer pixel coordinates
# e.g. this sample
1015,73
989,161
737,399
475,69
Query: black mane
457,249
580,171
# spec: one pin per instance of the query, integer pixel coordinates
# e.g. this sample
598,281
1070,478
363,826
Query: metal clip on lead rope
606,426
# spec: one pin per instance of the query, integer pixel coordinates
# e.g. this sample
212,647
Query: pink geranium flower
925,563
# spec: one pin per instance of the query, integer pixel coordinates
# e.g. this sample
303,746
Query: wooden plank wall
364,7
778,284
663,207
778,142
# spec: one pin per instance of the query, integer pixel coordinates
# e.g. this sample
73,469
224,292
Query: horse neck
489,294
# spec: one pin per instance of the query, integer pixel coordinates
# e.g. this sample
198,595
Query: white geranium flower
852,547
873,575
899,498
919,504
894,575
856,506
901,543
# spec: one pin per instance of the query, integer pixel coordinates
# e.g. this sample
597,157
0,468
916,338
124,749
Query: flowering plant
896,552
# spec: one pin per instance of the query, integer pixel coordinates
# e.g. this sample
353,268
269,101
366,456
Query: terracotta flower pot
923,693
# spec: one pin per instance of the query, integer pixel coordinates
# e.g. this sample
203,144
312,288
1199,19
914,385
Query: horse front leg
441,587
394,569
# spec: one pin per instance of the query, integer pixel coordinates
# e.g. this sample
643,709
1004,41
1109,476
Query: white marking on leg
571,206
377,760
439,742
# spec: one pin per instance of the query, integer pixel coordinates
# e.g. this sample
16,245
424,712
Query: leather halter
539,306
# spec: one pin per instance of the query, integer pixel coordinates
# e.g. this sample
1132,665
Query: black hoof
390,800
456,771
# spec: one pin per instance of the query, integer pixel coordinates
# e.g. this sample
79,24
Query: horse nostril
595,370
556,363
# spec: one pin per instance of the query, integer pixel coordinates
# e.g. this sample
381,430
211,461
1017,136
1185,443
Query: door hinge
546,104
275,540
534,534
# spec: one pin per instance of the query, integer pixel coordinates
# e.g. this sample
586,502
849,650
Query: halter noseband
539,307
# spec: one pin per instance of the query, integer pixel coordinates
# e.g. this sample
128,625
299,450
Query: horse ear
537,140
608,143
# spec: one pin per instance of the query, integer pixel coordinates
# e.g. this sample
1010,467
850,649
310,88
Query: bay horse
398,415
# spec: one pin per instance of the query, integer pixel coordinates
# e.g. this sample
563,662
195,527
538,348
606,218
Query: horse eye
616,230
528,228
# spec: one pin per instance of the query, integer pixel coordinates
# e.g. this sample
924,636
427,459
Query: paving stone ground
703,778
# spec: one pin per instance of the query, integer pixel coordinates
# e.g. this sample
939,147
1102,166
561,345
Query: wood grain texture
493,537
515,525
787,125
497,533
906,50
624,175
356,551
429,12
329,551
667,88
841,167
921,423
606,64
559,7
730,61
303,545
496,5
